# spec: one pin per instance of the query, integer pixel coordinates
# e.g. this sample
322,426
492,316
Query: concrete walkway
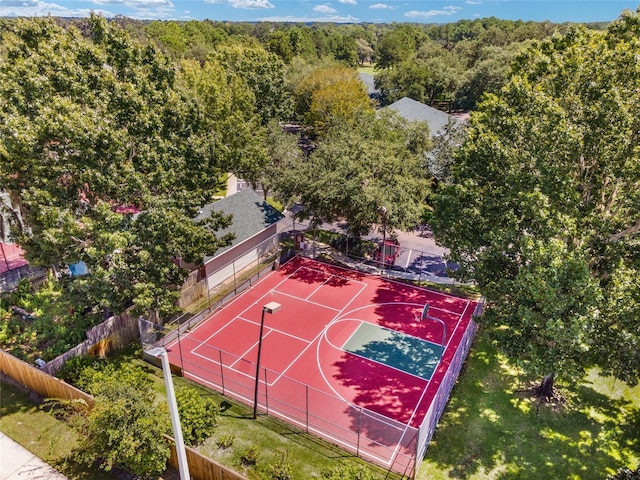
18,463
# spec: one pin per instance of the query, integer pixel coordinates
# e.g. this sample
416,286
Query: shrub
126,426
281,469
93,378
250,456
198,415
226,441
73,368
345,471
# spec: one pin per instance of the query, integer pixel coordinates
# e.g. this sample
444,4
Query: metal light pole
271,307
383,211
183,466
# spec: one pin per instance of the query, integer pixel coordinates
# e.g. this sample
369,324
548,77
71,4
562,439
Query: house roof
251,215
369,82
415,111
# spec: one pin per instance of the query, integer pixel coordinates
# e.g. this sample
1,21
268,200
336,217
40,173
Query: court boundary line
333,272
386,279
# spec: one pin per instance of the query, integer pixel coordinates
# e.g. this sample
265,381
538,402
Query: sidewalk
18,463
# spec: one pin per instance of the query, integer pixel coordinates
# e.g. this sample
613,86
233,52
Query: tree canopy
543,211
379,161
91,132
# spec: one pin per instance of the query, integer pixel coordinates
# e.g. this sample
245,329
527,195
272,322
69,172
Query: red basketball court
362,388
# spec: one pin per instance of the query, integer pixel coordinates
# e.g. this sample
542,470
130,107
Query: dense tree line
454,62
543,209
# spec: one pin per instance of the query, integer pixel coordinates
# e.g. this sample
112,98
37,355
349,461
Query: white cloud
450,10
138,4
348,2
324,9
381,6
471,2
327,19
245,4
142,9
37,8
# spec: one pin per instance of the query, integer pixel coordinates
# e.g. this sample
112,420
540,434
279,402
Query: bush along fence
46,385
112,334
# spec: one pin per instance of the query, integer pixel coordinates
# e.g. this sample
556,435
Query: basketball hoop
425,312
425,316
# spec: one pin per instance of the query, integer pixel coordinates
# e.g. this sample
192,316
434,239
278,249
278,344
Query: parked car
391,250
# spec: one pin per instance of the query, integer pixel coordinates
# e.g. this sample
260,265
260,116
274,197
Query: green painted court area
395,349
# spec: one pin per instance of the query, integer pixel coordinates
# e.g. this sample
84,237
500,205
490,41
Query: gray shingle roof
369,82
413,111
251,215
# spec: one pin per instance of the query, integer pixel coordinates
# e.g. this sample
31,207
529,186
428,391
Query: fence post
306,390
266,392
235,281
359,428
180,350
221,371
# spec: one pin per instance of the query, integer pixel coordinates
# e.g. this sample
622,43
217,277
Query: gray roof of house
369,82
415,111
251,215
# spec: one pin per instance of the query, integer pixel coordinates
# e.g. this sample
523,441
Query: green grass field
490,428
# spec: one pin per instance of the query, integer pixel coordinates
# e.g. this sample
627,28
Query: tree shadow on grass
488,428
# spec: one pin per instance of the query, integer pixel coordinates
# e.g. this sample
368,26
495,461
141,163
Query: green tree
89,126
330,95
397,45
543,212
263,72
378,161
283,153
125,428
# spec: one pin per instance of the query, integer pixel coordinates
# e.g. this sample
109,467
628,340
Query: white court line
304,300
319,335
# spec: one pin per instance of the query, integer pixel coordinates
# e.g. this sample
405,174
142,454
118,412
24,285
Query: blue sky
379,11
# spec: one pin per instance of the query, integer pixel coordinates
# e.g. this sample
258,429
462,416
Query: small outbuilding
255,227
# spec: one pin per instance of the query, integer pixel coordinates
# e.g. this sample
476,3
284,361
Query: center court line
319,335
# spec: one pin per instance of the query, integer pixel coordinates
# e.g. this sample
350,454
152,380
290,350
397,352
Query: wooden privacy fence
39,381
200,467
106,337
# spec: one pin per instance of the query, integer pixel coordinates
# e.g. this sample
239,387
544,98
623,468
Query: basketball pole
425,316
383,211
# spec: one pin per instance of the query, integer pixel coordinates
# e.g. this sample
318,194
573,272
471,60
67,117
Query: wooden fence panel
39,381
201,467
112,334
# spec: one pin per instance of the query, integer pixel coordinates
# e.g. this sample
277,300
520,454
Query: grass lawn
490,429
368,69
36,430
